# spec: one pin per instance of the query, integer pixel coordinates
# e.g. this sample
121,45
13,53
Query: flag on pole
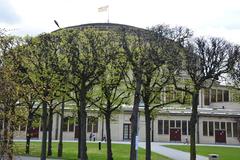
103,8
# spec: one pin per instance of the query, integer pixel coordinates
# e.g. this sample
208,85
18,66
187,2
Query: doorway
126,131
220,136
175,134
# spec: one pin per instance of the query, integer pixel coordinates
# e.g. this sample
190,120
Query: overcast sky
205,17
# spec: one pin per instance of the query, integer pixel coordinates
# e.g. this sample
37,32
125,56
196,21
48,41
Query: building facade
218,122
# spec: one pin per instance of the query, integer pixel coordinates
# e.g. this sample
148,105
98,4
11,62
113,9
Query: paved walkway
30,158
171,153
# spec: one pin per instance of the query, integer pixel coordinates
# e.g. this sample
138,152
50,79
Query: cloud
229,20
7,13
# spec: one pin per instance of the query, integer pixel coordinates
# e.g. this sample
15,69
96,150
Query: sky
218,18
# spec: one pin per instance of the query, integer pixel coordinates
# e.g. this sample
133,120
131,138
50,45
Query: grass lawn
225,153
120,151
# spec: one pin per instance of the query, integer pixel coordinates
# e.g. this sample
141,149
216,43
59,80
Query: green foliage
9,94
235,94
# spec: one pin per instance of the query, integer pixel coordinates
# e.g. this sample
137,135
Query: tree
60,144
235,76
204,61
235,73
155,78
39,57
110,94
134,43
30,99
9,94
26,94
87,53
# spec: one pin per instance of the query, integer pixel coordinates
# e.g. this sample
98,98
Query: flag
103,8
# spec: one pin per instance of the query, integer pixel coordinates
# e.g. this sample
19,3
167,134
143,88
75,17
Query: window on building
234,129
65,124
71,124
76,121
219,96
213,95
160,126
178,94
217,125
235,95
178,124
95,126
226,96
205,126
36,123
23,127
189,126
1,125
188,98
172,123
41,127
169,92
229,129
210,129
222,125
206,97
166,126
184,127
92,125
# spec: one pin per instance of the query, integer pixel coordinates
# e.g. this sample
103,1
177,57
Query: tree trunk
193,122
148,132
60,144
5,133
134,120
44,130
29,130
50,122
108,132
83,117
79,133
7,143
10,152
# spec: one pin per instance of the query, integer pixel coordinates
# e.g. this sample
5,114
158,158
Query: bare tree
87,53
135,44
156,77
204,61
111,93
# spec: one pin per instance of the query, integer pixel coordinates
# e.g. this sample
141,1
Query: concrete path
171,153
30,158
26,158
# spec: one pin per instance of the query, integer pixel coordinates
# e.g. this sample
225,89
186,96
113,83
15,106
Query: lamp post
57,24
60,144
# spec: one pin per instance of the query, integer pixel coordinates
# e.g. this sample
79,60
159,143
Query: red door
175,134
220,136
35,132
